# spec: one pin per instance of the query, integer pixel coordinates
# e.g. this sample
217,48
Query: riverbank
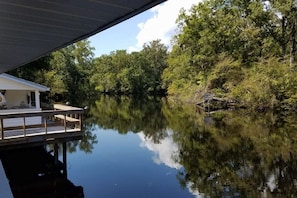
210,101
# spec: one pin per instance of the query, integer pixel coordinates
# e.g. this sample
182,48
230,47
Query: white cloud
162,25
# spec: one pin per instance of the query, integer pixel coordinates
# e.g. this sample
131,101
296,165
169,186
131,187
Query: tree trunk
283,40
293,43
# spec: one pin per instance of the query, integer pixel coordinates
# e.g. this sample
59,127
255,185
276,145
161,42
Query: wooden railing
62,119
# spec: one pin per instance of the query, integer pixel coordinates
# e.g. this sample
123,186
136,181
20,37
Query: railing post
80,121
45,125
2,129
65,123
24,126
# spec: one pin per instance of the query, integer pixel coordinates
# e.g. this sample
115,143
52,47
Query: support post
65,123
80,121
37,99
45,124
24,126
56,153
2,129
65,159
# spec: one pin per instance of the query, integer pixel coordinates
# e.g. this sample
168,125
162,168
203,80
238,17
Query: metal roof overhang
32,29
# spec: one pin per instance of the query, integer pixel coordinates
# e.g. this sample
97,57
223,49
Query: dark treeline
76,75
239,50
138,72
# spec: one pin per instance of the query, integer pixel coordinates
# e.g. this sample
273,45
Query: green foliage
71,70
269,83
155,55
226,75
138,72
244,59
34,71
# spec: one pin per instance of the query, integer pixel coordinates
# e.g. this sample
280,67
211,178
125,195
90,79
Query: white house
21,96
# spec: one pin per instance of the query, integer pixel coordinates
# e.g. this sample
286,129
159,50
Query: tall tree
285,12
71,69
84,61
156,55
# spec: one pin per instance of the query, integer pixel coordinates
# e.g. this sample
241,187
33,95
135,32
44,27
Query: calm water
153,148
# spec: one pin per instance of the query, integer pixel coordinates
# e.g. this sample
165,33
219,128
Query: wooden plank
41,138
65,107
47,113
69,119
17,134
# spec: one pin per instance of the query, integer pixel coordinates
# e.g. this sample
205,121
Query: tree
155,54
71,69
285,12
34,71
111,72
135,73
259,30
84,61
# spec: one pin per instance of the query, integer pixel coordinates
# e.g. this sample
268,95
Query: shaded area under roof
32,29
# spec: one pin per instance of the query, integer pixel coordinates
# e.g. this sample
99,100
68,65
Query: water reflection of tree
123,114
235,153
126,114
86,143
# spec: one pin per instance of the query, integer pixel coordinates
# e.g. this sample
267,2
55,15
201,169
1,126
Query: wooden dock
61,122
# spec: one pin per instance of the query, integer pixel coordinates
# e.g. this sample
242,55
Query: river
154,148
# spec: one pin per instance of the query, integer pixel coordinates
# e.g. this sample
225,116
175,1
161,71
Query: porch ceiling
32,29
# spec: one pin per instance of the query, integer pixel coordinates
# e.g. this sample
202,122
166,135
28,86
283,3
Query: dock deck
61,122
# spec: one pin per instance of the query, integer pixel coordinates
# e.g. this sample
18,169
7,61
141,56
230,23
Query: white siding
14,99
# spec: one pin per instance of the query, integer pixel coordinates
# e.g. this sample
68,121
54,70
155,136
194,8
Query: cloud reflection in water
166,151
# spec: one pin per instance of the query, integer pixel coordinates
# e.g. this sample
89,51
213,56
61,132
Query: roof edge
133,13
25,82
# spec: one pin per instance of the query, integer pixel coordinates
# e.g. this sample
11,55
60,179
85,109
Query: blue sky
120,36
130,35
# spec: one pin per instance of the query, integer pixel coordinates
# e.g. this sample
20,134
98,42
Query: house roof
9,82
32,29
